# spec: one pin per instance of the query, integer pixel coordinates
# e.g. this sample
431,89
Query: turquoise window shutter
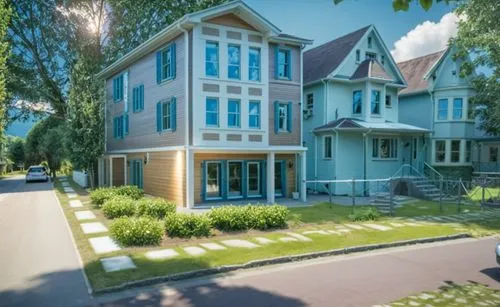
172,52
276,62
244,179
114,127
126,124
120,87
223,180
289,64
276,116
173,113
158,67
134,99
158,116
203,180
122,124
141,96
115,89
283,177
289,117
263,176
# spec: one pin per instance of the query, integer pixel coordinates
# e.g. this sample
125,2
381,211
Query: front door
213,180
137,173
279,178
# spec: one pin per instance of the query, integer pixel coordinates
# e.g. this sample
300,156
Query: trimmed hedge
239,218
155,207
101,195
187,225
119,206
137,231
370,214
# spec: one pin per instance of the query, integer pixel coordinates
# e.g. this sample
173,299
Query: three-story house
208,110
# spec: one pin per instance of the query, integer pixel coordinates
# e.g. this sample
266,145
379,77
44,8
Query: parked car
498,253
37,173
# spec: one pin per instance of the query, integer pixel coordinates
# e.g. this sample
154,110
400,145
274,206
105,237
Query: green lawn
476,194
321,217
452,294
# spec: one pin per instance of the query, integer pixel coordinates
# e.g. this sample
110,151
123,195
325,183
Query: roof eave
276,39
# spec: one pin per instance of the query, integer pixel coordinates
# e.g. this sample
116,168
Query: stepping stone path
334,232
85,215
239,243
89,228
320,232
413,224
71,195
75,204
396,225
69,190
161,254
299,236
65,184
103,245
194,250
343,230
378,227
288,239
119,263
212,246
354,226
264,241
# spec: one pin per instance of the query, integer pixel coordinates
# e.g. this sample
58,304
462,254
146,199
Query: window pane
493,154
212,59
253,178
213,185
277,178
468,150
283,63
357,102
328,147
375,103
457,108
375,148
254,115
440,151
443,109
455,151
166,116
233,58
282,117
212,112
385,148
234,169
254,64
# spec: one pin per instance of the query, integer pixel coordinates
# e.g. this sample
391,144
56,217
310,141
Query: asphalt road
38,263
356,280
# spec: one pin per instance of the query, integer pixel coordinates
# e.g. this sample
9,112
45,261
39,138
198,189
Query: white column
189,178
125,170
303,187
270,178
110,171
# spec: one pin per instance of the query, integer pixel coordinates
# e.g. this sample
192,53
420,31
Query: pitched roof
415,69
371,69
353,123
322,60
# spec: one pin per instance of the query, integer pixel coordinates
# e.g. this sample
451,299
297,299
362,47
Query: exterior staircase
382,201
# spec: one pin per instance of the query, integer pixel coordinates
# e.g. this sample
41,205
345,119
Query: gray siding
285,91
142,125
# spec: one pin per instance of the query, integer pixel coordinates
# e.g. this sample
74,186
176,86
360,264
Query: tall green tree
5,14
478,43
52,148
16,150
33,146
404,5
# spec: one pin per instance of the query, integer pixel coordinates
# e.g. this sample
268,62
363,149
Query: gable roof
371,69
354,124
188,21
320,61
415,70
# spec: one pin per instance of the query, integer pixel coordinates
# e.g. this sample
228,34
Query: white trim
138,150
276,149
270,177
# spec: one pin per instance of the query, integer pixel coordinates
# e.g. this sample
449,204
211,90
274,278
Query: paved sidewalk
38,263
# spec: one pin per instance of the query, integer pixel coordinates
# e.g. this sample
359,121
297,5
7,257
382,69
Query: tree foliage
478,43
16,150
34,153
404,5
5,14
52,148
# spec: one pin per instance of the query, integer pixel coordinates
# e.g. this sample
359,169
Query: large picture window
357,102
254,114
235,172
212,59
375,103
212,112
443,109
457,108
253,177
282,117
233,113
254,64
455,151
283,63
212,187
385,148
440,151
234,61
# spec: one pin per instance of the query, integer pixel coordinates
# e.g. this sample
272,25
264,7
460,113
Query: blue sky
323,21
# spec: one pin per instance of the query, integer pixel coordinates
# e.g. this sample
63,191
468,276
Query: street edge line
82,269
272,261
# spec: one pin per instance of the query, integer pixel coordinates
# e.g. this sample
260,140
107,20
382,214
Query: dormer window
358,55
369,42
382,59
371,56
454,73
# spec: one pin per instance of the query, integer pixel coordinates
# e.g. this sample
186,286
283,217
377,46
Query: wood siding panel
295,53
255,38
213,88
285,93
290,173
164,175
231,89
233,137
233,35
231,20
254,91
142,125
210,31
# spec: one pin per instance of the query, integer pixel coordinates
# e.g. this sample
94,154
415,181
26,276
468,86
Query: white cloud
425,38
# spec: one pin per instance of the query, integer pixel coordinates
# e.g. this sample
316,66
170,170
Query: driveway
38,262
367,279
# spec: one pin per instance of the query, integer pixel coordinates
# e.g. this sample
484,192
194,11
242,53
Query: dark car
37,173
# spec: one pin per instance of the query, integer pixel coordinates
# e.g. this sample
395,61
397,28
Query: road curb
271,261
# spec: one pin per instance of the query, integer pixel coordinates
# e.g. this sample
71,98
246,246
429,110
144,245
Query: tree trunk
90,173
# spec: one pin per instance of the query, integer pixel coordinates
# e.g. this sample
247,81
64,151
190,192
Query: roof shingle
415,69
322,60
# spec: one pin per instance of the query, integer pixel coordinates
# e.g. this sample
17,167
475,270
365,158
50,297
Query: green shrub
238,218
370,214
130,190
101,195
155,207
136,231
187,225
119,206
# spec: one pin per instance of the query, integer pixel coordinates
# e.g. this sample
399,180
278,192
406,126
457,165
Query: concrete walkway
38,262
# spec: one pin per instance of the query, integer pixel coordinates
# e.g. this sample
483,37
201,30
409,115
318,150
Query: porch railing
407,170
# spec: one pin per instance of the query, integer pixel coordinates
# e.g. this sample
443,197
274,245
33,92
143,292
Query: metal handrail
404,166
434,170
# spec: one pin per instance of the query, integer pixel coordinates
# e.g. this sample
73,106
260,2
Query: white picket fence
81,178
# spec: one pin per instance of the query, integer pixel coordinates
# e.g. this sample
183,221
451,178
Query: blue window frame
212,59
233,113
283,64
457,108
375,102
165,63
254,64
357,102
212,180
282,117
166,115
234,62
118,88
254,114
212,112
138,98
443,109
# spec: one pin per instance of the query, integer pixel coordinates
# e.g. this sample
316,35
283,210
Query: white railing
407,170
81,178
433,173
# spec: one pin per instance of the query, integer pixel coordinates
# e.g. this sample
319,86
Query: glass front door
253,177
235,172
213,189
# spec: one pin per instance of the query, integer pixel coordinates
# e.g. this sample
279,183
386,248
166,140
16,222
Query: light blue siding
421,105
